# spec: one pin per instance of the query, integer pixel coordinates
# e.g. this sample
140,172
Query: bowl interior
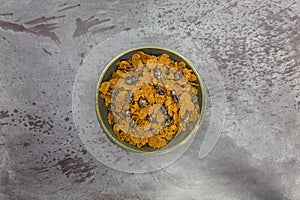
102,110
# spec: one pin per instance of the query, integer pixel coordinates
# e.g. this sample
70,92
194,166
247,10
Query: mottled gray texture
256,46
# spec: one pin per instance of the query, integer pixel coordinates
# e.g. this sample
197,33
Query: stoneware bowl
102,111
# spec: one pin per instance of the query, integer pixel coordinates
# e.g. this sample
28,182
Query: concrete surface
256,45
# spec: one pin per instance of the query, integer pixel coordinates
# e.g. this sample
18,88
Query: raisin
133,124
130,80
177,75
143,103
157,74
160,90
175,96
129,97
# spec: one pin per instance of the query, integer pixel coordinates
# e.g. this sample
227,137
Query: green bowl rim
158,151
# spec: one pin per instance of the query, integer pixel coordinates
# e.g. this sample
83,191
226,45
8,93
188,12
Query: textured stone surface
256,46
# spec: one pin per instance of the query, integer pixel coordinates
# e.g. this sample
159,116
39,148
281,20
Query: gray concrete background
256,46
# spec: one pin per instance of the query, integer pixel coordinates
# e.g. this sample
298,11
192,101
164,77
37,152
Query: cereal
150,99
136,61
164,59
157,142
110,118
104,87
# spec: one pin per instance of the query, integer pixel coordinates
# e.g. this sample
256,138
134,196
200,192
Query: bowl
102,111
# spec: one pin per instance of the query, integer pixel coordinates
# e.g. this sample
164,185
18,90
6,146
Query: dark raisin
157,74
160,90
130,80
129,97
168,70
143,103
111,107
152,130
175,96
113,92
168,120
127,113
185,118
164,110
133,124
177,75
150,118
195,99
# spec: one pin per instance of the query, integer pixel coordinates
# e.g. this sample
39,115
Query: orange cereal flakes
150,99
